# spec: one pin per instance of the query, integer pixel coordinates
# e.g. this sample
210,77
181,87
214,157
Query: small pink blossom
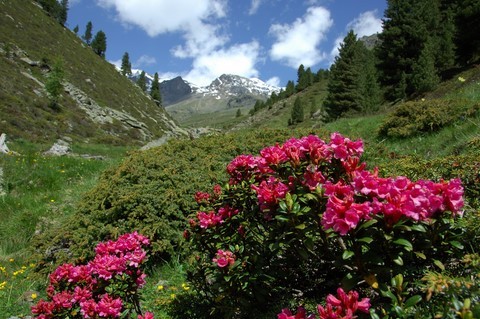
301,314
147,315
269,192
344,305
224,258
109,307
207,220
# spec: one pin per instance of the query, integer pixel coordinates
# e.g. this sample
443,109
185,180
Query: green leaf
456,244
412,301
418,227
389,294
420,255
367,224
439,264
347,254
301,226
398,261
405,243
367,240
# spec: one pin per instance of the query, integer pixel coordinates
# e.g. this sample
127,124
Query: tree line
422,43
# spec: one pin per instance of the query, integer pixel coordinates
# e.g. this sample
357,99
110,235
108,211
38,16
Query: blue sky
202,39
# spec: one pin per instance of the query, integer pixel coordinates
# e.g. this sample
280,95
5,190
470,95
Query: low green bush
151,192
415,117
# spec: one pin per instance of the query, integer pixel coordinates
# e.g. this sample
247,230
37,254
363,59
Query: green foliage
99,43
142,81
297,112
344,87
57,9
155,90
126,67
414,117
53,85
424,73
87,36
149,192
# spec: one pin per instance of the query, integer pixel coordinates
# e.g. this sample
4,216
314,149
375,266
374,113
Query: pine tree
369,89
155,90
302,78
53,85
343,91
239,113
142,81
87,37
62,12
468,30
99,43
406,27
297,115
75,30
126,67
290,89
424,73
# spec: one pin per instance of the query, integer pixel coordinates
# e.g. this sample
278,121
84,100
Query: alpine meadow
352,192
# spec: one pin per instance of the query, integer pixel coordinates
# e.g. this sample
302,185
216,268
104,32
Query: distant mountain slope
98,103
226,92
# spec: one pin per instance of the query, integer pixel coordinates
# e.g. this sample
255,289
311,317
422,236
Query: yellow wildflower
185,286
172,296
160,287
33,296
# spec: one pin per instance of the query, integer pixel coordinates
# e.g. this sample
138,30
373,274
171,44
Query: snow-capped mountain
227,87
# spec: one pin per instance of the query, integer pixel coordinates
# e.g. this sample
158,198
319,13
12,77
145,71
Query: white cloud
365,24
144,60
238,59
298,43
161,16
274,81
254,6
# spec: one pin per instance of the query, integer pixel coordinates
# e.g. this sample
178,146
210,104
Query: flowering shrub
344,306
106,287
306,215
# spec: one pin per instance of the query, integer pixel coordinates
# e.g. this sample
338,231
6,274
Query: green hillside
31,42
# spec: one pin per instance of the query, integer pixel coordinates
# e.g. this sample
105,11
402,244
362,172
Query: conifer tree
343,91
155,90
468,30
126,67
99,43
302,78
75,30
142,81
53,85
297,115
62,12
87,37
290,88
239,113
370,95
424,73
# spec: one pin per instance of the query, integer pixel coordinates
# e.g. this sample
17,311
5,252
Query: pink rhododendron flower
301,314
293,150
109,307
63,300
269,192
315,148
108,266
345,305
343,147
227,212
453,195
274,155
242,168
207,220
88,308
202,197
313,177
147,315
224,258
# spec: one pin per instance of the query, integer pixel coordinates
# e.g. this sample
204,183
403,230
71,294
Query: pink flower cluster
212,218
344,306
352,196
224,258
394,198
75,290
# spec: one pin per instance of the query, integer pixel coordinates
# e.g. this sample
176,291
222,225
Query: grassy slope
27,27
